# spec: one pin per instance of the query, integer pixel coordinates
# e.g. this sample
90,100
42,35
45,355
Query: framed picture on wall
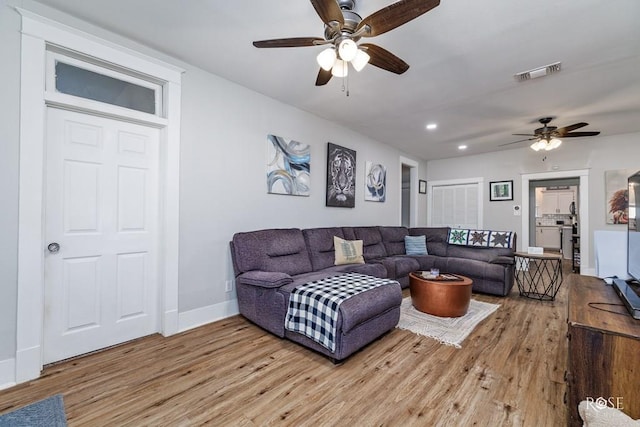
341,176
617,195
422,187
500,190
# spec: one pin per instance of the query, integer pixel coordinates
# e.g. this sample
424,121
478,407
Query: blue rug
48,412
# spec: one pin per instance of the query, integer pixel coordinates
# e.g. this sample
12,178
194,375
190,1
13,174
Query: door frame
583,211
37,33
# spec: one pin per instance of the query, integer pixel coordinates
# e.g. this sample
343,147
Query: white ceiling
463,55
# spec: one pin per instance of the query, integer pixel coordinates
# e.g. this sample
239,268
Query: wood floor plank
509,372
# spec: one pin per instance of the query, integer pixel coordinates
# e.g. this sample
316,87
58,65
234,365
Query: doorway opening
554,217
408,189
557,181
406,196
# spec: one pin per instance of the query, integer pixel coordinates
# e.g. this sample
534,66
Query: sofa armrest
264,279
502,259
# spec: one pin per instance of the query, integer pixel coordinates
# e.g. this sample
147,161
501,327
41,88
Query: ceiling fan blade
329,11
290,42
524,134
394,15
578,134
323,77
566,129
515,142
384,59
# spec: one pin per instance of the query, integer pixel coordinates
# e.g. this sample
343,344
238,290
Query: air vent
539,72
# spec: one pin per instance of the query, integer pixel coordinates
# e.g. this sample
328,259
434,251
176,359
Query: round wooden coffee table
442,298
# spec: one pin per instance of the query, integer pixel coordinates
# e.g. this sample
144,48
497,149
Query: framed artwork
617,195
288,167
375,182
341,176
500,190
422,187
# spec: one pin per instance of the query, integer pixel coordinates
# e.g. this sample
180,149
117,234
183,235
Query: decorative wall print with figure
341,176
617,195
288,166
375,182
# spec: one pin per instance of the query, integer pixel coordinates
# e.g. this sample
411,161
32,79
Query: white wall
223,186
222,182
598,154
9,143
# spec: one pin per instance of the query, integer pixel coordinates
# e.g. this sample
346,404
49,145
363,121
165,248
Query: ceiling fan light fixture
540,144
554,143
347,49
327,58
340,68
361,59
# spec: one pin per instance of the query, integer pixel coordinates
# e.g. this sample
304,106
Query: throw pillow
594,414
348,251
415,245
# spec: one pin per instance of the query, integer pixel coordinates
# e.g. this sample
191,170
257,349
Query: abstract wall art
288,166
375,182
341,176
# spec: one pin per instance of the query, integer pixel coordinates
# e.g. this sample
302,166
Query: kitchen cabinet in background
556,202
548,237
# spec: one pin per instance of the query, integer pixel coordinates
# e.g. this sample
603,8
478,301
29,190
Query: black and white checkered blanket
313,307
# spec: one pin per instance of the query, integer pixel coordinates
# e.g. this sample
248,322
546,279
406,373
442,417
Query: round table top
464,280
545,255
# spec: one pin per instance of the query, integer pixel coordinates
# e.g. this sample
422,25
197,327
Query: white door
102,211
455,206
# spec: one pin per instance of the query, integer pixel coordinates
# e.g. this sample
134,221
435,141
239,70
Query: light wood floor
509,372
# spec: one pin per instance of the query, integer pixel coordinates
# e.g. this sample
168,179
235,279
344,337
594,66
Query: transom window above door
84,78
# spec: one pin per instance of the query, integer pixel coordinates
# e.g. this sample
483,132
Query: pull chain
345,79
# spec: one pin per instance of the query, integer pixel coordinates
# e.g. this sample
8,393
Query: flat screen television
629,290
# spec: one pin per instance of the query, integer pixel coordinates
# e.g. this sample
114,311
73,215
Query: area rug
447,330
48,412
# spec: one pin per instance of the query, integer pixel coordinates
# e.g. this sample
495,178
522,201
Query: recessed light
462,147
432,126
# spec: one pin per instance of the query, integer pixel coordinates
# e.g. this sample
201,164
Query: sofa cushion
348,251
474,269
393,239
399,265
415,245
436,239
320,245
373,248
357,309
282,250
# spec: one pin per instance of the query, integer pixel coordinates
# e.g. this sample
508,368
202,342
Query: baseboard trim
7,373
28,364
201,316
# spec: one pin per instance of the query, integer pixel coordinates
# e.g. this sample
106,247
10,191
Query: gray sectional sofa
269,264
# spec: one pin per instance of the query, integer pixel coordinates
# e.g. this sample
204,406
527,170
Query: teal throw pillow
415,245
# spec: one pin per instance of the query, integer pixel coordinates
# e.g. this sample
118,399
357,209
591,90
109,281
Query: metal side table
538,276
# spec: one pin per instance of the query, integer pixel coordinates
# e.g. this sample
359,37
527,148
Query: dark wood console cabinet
604,348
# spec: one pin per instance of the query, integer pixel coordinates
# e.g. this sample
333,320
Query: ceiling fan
344,28
548,137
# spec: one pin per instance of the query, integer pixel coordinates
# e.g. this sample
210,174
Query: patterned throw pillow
348,251
415,245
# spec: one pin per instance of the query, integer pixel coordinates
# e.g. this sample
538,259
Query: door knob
53,247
